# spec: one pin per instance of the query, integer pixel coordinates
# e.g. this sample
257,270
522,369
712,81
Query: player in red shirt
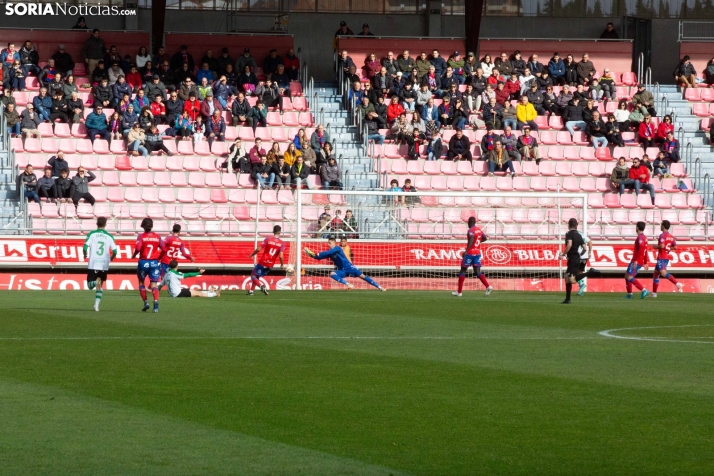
173,249
472,257
639,260
272,248
149,247
665,244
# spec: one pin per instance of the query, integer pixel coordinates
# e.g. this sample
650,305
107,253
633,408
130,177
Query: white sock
96,302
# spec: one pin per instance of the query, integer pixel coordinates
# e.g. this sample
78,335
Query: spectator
509,141
422,65
299,138
93,51
581,94
526,114
133,79
365,31
405,63
492,113
504,65
292,65
113,56
349,226
76,108
174,107
433,82
192,106
80,186
246,60
69,86
518,63
438,62
446,113
513,86
571,70
209,106
128,119
435,147
187,86
459,147
270,65
27,180
645,98
182,57
408,97
536,66
146,119
237,160
282,81
120,89
231,78
299,171
96,124
182,126
141,101
502,94
382,81
211,61
64,186
46,186
397,84
56,86
47,73
413,78
29,58
274,153
262,173
641,175
620,177
685,74
431,113
709,72
240,109
205,73
528,146
544,81
401,130
670,147
331,175
43,104
448,79
586,70
609,33
550,101
472,99
622,116
488,141
59,111
158,110
607,84
154,143
371,66
660,167
498,160
460,117
199,129
12,119
664,128
596,130
142,57
526,79
166,75
280,170
291,154
257,152
269,93
162,56
394,110
222,91
487,65
63,60
536,98
381,109
595,91
614,133
258,116
216,128
155,88
29,121
573,116
414,143
308,154
103,93
80,25
323,156
390,63
57,164
646,162
564,99
203,88
646,133
588,110
343,30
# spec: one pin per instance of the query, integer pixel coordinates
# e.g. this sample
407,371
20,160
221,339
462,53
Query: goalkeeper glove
309,253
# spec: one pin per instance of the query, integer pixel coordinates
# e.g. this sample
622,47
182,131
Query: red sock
142,292
655,285
462,278
628,286
155,292
637,284
672,280
483,279
256,284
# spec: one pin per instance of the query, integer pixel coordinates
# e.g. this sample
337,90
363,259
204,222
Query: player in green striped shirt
172,280
101,249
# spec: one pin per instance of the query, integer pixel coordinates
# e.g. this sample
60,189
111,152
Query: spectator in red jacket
292,65
133,78
372,66
495,78
394,110
192,106
663,129
647,132
513,86
641,175
502,94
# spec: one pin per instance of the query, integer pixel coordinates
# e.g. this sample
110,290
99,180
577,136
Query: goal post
415,240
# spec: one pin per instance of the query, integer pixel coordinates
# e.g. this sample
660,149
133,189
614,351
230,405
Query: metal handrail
648,78
640,67
697,171
688,152
706,185
680,133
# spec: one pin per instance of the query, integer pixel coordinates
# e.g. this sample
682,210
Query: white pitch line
609,333
289,338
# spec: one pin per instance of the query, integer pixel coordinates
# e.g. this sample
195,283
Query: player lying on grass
173,249
472,257
272,248
665,244
574,246
101,250
345,268
172,281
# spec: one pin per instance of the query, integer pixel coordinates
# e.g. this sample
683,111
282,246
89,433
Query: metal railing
696,31
688,157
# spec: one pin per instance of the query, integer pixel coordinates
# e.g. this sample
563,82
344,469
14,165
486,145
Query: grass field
361,383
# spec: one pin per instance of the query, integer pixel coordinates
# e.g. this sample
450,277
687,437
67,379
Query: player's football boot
146,306
654,295
382,289
680,287
264,289
249,293
644,294
488,291
629,296
567,301
455,293
582,289
594,273
96,308
350,286
156,307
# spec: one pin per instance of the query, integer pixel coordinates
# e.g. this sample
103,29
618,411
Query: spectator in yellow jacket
526,114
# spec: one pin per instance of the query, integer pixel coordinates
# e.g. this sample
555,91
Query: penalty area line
611,334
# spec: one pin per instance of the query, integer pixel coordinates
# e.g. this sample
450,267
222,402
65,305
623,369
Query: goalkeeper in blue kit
344,266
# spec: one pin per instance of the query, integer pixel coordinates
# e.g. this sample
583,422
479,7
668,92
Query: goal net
416,240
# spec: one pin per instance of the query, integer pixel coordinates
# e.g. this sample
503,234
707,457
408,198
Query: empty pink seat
150,195
84,146
115,147
471,183
556,122
504,184
644,201
291,119
548,137
612,200
110,178
191,164
196,179
464,167
571,184
415,167
563,169
185,195
162,179
115,194
398,167
202,195
628,200
186,147
448,167
432,167
127,179
546,168
167,195
692,94
178,179
133,195
200,148
229,181
274,119
564,138
595,200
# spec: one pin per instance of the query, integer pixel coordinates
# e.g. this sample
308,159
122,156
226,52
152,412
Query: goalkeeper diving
344,266
172,280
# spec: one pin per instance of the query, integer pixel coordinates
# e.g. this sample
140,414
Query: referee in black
573,244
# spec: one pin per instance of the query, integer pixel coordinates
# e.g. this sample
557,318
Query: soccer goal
415,240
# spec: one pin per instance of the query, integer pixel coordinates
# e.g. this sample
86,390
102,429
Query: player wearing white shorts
172,280
101,249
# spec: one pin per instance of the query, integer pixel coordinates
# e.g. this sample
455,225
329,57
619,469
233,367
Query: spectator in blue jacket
438,62
205,72
216,128
141,101
128,118
222,91
431,113
556,68
119,89
96,124
43,104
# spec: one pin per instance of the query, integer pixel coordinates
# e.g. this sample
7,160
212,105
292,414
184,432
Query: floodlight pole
472,23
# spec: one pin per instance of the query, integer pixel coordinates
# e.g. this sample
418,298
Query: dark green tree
597,9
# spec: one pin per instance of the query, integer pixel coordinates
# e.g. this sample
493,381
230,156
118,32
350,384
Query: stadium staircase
10,218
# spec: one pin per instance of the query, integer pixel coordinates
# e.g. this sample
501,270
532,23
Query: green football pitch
358,383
